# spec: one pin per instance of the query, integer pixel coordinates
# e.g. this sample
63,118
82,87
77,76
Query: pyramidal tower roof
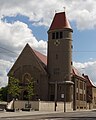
60,21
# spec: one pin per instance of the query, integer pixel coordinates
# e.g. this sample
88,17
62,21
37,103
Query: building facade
55,78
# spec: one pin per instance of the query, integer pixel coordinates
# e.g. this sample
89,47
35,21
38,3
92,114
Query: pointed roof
60,21
90,83
77,73
40,58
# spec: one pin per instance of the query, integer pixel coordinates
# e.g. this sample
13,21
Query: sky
28,21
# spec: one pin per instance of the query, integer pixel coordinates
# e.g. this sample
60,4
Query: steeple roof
60,22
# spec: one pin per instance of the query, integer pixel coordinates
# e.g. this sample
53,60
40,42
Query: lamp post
64,96
55,95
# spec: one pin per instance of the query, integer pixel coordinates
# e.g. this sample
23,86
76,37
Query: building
90,92
55,78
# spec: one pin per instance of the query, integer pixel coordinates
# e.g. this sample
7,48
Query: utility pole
55,95
65,96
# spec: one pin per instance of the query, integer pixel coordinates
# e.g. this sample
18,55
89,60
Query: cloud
83,12
88,68
13,38
3,72
17,35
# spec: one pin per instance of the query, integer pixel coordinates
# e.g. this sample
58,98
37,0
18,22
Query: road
82,115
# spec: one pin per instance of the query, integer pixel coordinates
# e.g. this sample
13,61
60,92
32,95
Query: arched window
26,78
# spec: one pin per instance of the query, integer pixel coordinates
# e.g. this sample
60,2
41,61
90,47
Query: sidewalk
23,113
4,114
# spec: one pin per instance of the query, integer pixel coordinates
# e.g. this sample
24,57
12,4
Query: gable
89,81
28,57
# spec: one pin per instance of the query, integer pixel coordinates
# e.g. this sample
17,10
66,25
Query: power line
77,51
7,50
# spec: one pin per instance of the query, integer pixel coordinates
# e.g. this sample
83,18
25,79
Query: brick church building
54,77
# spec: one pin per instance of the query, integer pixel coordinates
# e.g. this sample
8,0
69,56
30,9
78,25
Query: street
80,115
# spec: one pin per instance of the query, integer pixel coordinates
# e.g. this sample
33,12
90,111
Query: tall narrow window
56,56
53,35
71,46
57,35
61,35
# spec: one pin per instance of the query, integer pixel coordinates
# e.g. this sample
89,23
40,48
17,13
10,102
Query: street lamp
55,95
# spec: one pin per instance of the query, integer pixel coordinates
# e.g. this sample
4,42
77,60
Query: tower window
53,35
56,56
57,35
61,35
72,46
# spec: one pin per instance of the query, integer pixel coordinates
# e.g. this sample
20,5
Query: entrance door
25,93
51,97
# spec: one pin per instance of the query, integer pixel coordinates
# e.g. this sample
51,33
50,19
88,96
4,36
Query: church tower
59,62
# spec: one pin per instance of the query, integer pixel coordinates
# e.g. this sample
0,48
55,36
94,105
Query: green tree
3,93
13,88
30,89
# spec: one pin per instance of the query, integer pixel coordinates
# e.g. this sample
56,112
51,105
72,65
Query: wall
94,97
21,104
44,105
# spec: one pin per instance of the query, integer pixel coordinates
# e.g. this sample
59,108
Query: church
54,76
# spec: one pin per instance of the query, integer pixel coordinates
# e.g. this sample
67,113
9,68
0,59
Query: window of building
52,97
95,100
57,35
26,78
71,46
81,85
77,96
84,86
61,35
84,97
53,35
77,84
81,97
37,81
56,56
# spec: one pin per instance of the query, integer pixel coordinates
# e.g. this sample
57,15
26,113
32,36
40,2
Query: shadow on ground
71,118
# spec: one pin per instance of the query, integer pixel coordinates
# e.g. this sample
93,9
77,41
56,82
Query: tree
3,93
30,89
13,88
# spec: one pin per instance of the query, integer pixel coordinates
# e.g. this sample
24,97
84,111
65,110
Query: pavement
4,114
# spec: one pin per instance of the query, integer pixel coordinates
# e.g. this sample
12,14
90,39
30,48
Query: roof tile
60,22
42,57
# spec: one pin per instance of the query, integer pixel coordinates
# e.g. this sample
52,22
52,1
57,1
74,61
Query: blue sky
24,22
40,32
84,43
84,48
